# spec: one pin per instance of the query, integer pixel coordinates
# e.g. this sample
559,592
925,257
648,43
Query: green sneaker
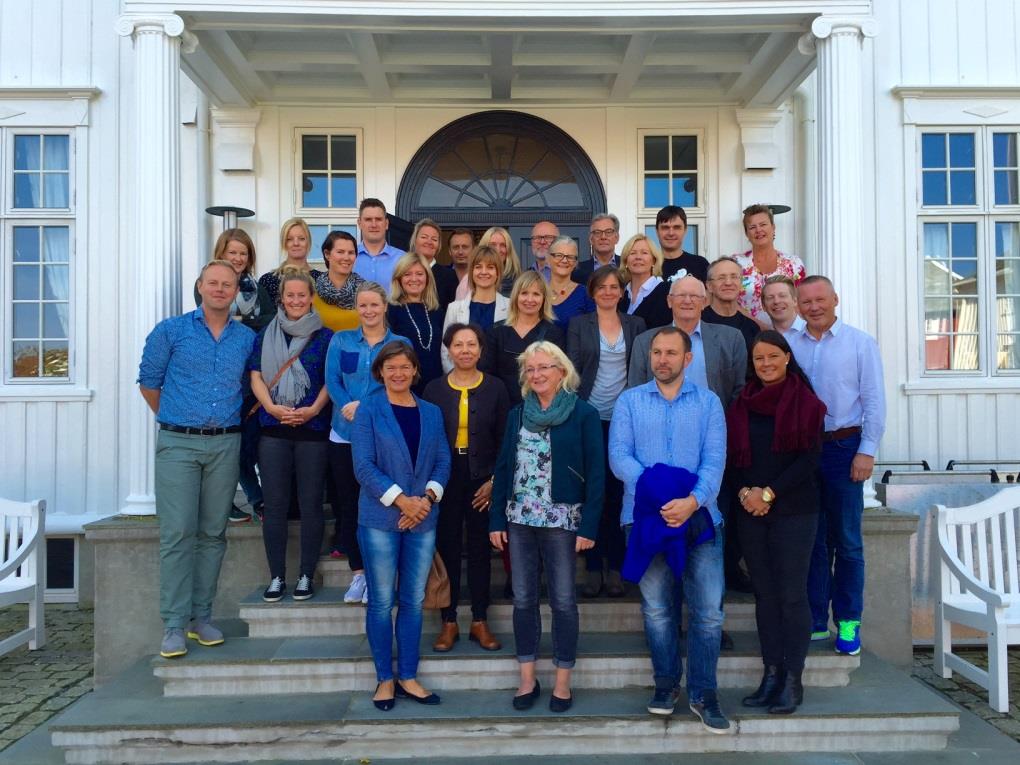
820,635
848,637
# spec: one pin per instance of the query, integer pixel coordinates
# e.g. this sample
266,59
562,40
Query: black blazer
583,345
654,310
446,284
488,405
503,345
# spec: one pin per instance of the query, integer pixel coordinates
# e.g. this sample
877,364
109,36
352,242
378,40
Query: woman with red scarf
774,430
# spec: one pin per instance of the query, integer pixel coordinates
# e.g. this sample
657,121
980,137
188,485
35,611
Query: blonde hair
512,268
426,223
525,281
235,235
376,289
482,254
406,262
625,253
570,382
285,229
291,273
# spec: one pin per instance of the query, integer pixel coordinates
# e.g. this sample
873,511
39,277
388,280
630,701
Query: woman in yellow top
336,289
474,407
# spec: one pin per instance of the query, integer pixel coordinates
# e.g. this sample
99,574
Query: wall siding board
12,477
1001,47
45,35
15,45
943,67
971,31
980,412
76,42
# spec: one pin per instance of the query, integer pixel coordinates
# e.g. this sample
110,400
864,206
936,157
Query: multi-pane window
40,302
329,171
690,238
42,173
319,232
670,171
969,235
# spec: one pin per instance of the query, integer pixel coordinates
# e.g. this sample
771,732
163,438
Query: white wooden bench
23,567
976,575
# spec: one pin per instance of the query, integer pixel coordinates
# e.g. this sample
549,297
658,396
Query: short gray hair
606,216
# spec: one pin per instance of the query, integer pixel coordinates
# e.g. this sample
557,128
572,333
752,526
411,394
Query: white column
152,260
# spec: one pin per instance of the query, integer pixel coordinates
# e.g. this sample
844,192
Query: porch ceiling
247,57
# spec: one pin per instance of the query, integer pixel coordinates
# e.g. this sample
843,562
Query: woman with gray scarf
288,375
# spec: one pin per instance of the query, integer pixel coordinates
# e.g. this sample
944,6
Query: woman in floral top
762,261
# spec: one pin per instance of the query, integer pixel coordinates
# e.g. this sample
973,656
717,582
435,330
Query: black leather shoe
383,705
768,690
431,700
790,696
527,700
556,704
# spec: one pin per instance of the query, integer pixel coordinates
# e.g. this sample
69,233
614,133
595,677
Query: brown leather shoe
449,635
480,634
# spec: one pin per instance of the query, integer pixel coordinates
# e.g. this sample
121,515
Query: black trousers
456,516
280,460
777,550
344,491
610,545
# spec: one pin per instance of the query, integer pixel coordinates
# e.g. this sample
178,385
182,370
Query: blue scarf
536,419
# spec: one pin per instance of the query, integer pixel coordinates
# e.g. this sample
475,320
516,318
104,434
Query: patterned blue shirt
199,377
687,432
378,268
313,359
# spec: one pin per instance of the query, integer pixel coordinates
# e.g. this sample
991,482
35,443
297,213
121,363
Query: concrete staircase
294,683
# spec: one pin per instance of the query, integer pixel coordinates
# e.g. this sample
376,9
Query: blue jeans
397,568
703,588
531,548
837,561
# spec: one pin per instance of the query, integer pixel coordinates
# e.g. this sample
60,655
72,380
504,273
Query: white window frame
695,212
701,223
344,215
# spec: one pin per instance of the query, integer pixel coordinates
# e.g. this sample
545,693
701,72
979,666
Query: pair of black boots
781,691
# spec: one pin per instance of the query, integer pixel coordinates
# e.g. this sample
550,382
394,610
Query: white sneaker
358,591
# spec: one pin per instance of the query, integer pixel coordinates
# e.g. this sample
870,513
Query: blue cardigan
382,463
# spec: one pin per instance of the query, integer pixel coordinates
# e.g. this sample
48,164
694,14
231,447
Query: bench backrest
984,539
21,530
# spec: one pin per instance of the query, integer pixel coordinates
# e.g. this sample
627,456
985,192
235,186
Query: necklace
421,343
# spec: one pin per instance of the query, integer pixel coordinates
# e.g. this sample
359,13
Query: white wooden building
889,127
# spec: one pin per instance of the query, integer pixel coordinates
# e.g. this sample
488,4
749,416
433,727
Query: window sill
29,392
930,386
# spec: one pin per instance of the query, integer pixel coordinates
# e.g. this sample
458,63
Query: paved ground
36,685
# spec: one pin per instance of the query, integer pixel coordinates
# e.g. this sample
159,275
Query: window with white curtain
37,252
969,236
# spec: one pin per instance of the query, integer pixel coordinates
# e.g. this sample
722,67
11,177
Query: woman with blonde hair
645,294
547,498
500,240
427,241
484,306
414,312
296,243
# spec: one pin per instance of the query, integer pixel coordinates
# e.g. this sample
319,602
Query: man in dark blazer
723,354
603,235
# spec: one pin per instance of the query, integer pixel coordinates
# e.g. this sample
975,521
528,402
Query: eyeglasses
543,238
541,368
685,295
727,278
562,256
597,232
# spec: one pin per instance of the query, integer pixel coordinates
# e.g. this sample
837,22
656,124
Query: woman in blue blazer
402,462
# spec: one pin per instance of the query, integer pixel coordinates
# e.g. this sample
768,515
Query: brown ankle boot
480,634
449,635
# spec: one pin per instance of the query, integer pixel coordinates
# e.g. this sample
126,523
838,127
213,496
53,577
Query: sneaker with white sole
710,713
304,589
358,591
173,644
204,632
664,701
848,637
275,591
364,598
820,635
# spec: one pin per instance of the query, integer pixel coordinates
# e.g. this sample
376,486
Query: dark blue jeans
531,548
248,478
836,575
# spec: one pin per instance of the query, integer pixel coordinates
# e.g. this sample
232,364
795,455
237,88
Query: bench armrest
981,590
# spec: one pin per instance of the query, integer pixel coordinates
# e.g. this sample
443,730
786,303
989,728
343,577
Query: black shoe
725,641
556,704
790,696
768,690
527,700
275,591
384,705
304,589
259,510
237,515
431,700
664,701
708,711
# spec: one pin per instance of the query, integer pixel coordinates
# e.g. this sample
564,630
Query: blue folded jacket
650,535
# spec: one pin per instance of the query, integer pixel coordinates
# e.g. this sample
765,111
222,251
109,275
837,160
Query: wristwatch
768,496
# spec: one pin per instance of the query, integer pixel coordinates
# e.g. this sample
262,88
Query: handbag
437,588
284,368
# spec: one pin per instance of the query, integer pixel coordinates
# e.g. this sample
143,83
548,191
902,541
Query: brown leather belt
837,435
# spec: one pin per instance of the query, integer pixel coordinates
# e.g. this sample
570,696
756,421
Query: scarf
294,383
798,413
342,297
246,304
536,419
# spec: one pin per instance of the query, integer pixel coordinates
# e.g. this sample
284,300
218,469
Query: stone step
273,666
327,615
883,710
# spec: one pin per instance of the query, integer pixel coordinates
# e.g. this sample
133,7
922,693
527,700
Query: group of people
667,416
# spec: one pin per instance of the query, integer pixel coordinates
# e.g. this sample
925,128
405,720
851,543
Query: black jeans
777,550
280,460
456,514
344,492
609,545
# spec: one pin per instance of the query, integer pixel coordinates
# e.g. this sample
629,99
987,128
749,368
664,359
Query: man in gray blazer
719,352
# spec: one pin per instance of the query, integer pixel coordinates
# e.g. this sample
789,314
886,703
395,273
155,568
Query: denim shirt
198,376
349,373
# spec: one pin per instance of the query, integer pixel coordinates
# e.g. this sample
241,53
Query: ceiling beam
367,52
783,78
631,67
501,66
771,47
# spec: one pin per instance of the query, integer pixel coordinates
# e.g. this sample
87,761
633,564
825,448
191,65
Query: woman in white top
645,294
484,305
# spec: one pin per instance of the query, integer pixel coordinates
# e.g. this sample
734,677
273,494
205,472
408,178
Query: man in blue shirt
190,376
845,369
376,258
543,234
672,420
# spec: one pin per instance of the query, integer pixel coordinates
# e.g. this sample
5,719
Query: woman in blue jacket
349,379
402,461
548,488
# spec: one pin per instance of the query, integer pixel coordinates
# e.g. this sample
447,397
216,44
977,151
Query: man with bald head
542,235
719,355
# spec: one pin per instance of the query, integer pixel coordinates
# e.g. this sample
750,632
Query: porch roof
501,51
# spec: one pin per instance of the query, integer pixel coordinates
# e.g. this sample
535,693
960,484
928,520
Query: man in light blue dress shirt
845,369
376,258
674,421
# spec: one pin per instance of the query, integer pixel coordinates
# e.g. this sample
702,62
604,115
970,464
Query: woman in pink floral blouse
762,261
